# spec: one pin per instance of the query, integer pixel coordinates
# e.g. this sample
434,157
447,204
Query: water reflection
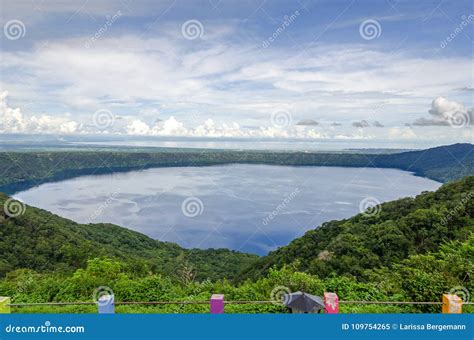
252,208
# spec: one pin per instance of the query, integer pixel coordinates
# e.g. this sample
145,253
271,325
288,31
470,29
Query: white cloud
137,127
170,127
401,133
445,108
12,120
210,129
228,81
231,85
451,110
446,113
173,127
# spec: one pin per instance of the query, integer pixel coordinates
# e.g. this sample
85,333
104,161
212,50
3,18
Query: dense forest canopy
40,240
418,278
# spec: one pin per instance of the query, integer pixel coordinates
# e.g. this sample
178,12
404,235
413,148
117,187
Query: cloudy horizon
306,70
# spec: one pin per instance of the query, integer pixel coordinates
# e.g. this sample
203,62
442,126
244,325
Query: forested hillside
418,278
443,163
21,170
383,237
40,240
414,249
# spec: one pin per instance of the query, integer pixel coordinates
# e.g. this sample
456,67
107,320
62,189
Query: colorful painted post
4,305
452,304
106,304
217,304
331,301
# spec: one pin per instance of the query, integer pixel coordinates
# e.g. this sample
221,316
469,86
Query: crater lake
250,208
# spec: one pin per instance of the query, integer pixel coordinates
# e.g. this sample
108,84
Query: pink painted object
331,301
217,304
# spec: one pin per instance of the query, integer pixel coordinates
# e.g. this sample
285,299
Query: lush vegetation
24,169
414,249
384,237
418,278
45,242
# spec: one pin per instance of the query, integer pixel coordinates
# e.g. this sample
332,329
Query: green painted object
4,301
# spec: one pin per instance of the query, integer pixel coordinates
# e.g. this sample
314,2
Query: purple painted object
106,304
217,304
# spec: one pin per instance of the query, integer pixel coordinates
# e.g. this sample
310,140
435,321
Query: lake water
252,208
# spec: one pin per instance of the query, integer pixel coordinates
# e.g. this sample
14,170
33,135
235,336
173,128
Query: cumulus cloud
209,128
401,133
12,120
137,127
366,124
447,113
441,107
430,122
361,124
170,127
307,122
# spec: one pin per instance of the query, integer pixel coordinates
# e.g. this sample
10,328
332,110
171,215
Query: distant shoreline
23,170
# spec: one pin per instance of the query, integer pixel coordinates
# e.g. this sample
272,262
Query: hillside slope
401,228
442,163
42,241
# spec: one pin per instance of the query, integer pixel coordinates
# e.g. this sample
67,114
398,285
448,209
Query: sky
348,70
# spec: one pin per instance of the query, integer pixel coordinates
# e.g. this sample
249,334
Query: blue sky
288,69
